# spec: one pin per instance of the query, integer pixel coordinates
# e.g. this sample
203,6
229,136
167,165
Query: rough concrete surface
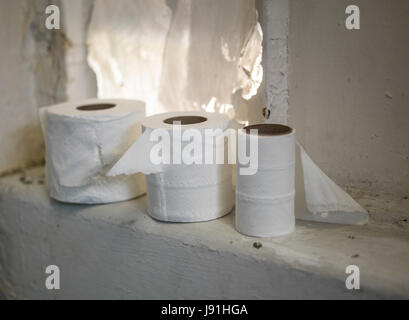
117,251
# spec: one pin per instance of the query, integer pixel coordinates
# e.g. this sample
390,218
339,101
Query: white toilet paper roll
83,140
265,200
181,192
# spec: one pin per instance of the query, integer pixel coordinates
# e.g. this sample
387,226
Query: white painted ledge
117,251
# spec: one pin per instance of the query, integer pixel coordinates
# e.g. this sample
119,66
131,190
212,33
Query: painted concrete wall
32,74
349,93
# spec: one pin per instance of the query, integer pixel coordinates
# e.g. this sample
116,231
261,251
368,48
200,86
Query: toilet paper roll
181,192
83,140
265,200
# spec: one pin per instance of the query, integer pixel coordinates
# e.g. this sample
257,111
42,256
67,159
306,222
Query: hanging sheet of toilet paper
181,192
83,140
318,198
177,54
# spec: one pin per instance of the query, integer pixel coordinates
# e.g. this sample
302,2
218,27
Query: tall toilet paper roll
83,140
181,192
265,200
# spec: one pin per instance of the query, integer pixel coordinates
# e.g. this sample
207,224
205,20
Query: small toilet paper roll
181,192
265,200
83,140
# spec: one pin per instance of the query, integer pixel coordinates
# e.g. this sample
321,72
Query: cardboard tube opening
184,120
269,129
93,107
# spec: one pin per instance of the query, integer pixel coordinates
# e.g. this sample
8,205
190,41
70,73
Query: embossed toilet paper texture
82,145
180,192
